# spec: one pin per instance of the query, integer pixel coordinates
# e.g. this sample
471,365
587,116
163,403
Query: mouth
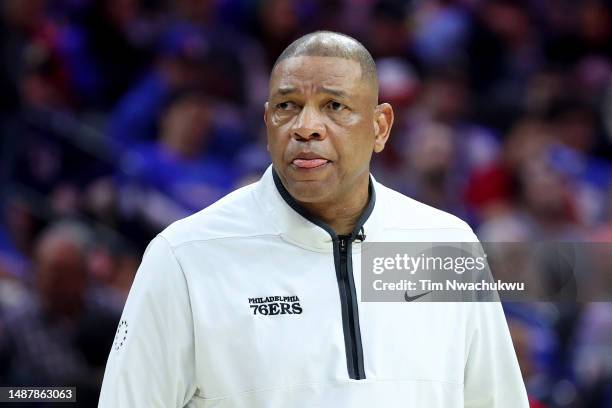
308,164
309,161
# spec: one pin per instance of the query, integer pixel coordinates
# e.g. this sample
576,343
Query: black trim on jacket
343,264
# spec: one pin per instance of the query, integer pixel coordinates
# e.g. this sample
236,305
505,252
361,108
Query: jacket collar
296,225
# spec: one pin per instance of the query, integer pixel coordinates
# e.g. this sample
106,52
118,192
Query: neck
343,213
340,214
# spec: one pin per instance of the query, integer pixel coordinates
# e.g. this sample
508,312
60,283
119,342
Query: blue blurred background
118,117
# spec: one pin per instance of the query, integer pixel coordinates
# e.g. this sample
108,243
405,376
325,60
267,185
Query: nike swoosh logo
411,298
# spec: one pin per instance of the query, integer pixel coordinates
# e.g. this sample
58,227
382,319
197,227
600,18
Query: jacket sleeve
492,374
151,363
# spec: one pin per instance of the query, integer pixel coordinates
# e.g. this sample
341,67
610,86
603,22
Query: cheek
277,142
281,119
357,141
359,124
279,127
353,120
344,120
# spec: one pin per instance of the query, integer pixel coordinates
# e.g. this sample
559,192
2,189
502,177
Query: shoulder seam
218,239
171,248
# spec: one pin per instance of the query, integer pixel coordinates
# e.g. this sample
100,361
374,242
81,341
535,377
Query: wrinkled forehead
310,73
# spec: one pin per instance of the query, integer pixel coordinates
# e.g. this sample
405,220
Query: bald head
332,44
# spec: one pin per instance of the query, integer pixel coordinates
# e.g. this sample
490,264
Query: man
58,333
253,302
176,174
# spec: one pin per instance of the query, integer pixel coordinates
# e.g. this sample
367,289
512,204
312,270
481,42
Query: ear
265,113
383,120
265,118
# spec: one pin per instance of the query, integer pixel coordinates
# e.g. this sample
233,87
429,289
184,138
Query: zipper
350,312
343,265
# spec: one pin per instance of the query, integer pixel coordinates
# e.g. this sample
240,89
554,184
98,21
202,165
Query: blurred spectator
176,176
503,51
180,66
399,85
21,21
107,49
278,24
428,175
593,342
587,33
57,335
439,146
533,373
441,30
576,129
446,98
387,33
190,58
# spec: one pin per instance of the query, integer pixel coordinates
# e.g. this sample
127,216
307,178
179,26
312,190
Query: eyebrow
286,90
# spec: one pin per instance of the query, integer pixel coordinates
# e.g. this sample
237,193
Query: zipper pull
342,242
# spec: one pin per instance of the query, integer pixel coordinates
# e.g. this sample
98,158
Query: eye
285,106
335,106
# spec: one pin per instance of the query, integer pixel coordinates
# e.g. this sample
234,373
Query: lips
309,160
309,163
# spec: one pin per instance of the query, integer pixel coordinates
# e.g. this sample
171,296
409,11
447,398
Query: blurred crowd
118,117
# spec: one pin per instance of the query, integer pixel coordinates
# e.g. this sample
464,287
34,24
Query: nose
308,125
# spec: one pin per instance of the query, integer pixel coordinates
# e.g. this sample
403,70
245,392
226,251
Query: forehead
306,72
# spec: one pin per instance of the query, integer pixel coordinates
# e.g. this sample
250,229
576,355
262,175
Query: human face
323,125
61,275
186,126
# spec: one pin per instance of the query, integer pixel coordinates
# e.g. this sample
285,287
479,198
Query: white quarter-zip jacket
252,303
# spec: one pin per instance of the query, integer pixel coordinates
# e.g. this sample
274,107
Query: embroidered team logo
275,305
121,335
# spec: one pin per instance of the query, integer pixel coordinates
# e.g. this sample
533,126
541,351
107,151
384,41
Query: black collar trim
357,230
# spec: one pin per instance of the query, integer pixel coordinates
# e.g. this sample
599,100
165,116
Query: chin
309,191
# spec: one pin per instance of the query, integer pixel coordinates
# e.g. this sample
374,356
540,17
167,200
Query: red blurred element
536,404
489,186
